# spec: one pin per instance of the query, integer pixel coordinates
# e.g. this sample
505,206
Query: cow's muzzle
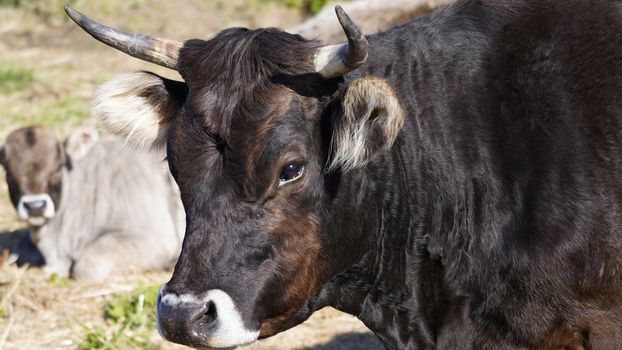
36,209
211,321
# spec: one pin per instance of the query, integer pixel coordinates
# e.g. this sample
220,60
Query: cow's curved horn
162,52
336,60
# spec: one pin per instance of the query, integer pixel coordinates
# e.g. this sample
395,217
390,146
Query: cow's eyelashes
291,172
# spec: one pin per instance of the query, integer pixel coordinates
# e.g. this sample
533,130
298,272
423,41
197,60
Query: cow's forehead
36,143
270,129
248,123
231,76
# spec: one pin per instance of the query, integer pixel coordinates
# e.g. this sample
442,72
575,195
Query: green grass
66,111
308,6
130,319
94,338
46,8
42,8
134,310
49,10
58,281
14,78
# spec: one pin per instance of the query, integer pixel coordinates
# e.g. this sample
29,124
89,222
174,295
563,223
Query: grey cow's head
34,160
255,137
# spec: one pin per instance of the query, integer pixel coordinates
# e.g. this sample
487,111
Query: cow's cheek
299,267
14,189
55,188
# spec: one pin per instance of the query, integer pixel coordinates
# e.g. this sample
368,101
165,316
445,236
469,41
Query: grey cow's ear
80,142
2,156
370,121
139,107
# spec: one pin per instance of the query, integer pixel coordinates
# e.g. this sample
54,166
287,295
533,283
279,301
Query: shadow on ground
351,341
17,243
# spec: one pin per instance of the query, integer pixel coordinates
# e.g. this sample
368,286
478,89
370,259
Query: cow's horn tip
68,10
339,10
73,14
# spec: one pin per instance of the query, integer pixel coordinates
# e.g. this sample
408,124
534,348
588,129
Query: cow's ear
369,121
80,142
139,107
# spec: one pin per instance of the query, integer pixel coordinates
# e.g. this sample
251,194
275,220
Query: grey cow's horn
162,52
336,60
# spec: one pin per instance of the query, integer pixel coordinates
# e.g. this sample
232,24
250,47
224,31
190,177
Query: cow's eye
290,173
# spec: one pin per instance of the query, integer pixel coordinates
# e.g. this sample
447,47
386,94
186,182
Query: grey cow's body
117,212
93,207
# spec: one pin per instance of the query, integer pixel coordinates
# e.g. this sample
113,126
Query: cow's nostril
211,314
206,321
35,205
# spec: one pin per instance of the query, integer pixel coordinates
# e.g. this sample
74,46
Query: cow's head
34,160
256,138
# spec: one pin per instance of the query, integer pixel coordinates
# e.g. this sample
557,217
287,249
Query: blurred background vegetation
50,8
48,67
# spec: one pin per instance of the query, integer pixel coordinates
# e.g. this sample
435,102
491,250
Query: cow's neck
420,191
415,223
65,189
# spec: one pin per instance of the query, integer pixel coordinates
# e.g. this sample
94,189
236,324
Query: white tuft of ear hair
371,119
123,108
80,142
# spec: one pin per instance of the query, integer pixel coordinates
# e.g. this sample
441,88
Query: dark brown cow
455,182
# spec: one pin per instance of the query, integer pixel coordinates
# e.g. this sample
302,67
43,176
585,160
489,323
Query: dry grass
44,313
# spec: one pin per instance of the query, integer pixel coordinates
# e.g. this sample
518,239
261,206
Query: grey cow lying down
93,207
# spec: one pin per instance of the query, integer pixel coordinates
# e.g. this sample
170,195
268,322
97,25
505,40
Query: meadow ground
48,69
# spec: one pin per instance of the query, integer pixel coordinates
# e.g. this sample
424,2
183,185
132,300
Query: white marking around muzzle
230,331
48,213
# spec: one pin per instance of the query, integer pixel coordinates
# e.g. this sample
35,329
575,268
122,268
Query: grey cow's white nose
212,321
36,208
